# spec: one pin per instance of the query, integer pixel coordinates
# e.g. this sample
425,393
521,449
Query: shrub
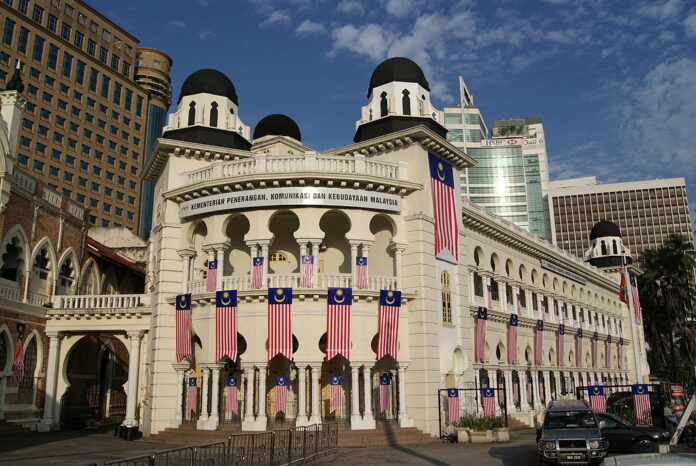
480,423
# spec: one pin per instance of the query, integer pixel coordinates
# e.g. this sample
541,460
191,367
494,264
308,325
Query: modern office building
646,211
85,124
511,175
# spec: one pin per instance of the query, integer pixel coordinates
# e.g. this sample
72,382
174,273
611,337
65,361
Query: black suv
570,434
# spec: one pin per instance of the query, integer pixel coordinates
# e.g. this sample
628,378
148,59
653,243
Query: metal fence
277,448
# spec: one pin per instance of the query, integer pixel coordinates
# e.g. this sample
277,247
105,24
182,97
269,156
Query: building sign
502,142
561,271
274,197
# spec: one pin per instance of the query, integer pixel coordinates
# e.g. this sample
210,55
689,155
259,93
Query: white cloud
176,24
690,25
350,7
310,27
205,35
370,40
277,17
663,11
401,8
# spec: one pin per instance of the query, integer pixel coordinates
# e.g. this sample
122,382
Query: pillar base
405,421
45,425
315,420
206,424
254,425
302,421
363,424
174,423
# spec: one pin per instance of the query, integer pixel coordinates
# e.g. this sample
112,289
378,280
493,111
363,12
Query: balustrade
37,299
9,290
115,301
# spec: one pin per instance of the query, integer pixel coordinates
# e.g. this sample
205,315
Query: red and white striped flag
542,392
256,273
211,282
281,395
500,389
512,339
488,401
18,363
623,289
595,348
539,343
232,396
339,301
307,272
226,325
578,348
453,416
641,403
183,327
335,394
279,322
636,299
598,401
445,210
388,323
384,393
480,340
192,395
361,272
560,359
489,296
516,390
530,394
619,352
518,306
607,353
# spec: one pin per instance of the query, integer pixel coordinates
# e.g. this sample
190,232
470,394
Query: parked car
624,436
570,434
622,402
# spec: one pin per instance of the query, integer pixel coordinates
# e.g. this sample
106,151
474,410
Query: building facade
646,211
85,124
511,176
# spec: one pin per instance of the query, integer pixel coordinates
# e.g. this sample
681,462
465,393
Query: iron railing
275,448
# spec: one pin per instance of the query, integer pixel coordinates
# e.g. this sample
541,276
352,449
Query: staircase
521,420
11,428
187,434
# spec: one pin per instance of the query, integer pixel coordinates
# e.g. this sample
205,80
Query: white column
524,406
315,416
214,419
180,369
398,252
133,371
315,253
46,422
528,303
508,391
185,270
354,395
302,418
365,252
203,418
262,394
472,296
547,386
353,256
557,384
249,396
502,296
404,420
368,417
535,389
220,253
264,254
515,299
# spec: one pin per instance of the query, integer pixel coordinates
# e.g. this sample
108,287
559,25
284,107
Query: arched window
406,102
192,114
29,365
384,108
494,290
535,303
214,114
278,257
508,294
603,246
446,298
65,277
614,247
41,265
4,348
11,259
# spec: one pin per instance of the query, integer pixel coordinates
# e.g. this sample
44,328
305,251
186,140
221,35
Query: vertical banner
512,338
335,394
560,358
488,401
279,322
444,210
232,395
516,389
18,360
256,273
226,325
388,323
453,406
339,301
530,394
192,395
501,388
489,296
578,348
598,401
607,353
384,393
183,327
641,403
480,340
539,343
281,395
595,348
623,288
211,279
619,353
307,272
636,299
361,273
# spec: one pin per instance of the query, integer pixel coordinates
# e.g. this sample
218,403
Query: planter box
481,437
463,435
501,434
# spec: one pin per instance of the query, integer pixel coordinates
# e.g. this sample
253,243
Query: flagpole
631,319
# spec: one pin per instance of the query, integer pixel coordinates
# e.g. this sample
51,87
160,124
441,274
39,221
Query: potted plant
476,429
500,433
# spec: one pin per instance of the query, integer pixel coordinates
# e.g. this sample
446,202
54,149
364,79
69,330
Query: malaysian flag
453,406
488,401
183,327
257,272
607,354
307,279
388,323
445,210
641,403
211,283
489,296
623,289
192,395
335,393
18,361
542,310
339,301
516,390
279,322
512,339
361,272
231,395
619,352
226,324
539,343
595,348
542,392
530,394
481,318
561,343
598,401
384,392
501,393
636,299
281,394
485,381
578,348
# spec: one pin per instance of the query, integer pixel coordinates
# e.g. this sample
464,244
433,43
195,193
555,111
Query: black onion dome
209,82
603,229
277,125
397,69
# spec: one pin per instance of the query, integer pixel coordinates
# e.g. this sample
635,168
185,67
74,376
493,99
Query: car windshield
570,420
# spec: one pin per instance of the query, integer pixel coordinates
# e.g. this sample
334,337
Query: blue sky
614,81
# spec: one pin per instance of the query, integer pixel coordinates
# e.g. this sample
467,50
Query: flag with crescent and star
489,296
542,392
256,273
480,334
183,327
453,416
226,324
18,360
192,395
607,353
307,272
388,323
384,393
211,279
512,338
232,395
339,301
595,348
515,390
279,322
641,404
539,343
560,359
636,299
488,401
361,272
335,393
578,348
530,394
281,395
619,353
598,401
445,210
500,388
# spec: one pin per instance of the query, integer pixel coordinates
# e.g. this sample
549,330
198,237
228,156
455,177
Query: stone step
12,428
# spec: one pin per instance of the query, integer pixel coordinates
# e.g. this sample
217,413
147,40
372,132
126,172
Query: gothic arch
10,350
16,232
68,254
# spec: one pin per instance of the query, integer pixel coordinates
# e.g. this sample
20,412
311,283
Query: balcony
100,306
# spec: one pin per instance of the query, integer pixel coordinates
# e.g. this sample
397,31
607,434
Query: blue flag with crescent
340,296
561,329
639,389
21,328
335,380
487,392
452,392
540,325
389,298
282,381
280,295
514,320
596,390
258,261
192,382
226,298
482,313
579,333
231,381
441,170
384,380
183,302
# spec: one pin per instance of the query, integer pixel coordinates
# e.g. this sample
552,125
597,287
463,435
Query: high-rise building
647,212
511,175
86,118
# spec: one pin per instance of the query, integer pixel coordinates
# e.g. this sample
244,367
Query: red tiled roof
99,250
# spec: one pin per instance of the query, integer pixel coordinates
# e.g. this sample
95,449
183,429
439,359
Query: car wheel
642,445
